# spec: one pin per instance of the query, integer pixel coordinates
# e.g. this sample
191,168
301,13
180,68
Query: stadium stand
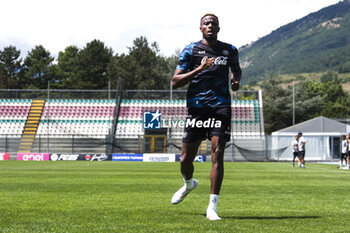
13,115
111,125
84,118
68,125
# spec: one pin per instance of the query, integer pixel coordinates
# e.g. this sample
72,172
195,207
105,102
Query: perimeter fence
266,148
240,148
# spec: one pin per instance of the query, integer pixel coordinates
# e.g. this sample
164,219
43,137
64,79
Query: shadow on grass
272,218
267,217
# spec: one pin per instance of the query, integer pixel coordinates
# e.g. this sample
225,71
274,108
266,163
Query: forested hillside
316,43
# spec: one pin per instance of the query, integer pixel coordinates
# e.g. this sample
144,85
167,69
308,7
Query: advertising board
198,158
127,157
158,157
95,157
70,157
4,156
33,156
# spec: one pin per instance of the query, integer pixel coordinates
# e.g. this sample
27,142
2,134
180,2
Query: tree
10,67
3,76
67,67
278,102
277,105
172,62
336,110
93,61
329,77
143,67
345,68
308,101
37,70
335,102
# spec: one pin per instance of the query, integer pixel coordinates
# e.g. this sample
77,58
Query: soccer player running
207,65
295,145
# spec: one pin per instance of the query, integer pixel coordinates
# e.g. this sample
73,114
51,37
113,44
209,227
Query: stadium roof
316,126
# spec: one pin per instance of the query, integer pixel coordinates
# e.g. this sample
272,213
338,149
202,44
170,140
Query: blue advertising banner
127,157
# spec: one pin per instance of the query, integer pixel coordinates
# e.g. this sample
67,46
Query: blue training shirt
209,88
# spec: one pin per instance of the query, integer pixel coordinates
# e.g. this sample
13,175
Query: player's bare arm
181,78
236,74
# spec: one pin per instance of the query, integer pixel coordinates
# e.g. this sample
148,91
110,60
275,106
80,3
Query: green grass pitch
81,196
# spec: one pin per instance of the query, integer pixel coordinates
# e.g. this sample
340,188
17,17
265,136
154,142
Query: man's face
210,27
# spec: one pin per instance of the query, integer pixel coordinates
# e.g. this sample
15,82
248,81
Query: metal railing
109,94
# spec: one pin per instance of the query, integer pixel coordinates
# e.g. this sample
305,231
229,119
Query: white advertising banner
148,157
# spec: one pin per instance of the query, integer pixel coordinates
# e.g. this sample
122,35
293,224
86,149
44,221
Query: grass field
135,197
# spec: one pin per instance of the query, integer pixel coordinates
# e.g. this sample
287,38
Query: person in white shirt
301,148
344,152
295,145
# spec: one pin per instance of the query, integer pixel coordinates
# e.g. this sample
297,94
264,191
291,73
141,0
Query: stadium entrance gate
154,141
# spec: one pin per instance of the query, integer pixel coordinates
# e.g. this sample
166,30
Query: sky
56,24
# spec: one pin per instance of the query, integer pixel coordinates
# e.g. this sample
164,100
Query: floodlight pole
171,102
48,116
293,102
109,89
171,92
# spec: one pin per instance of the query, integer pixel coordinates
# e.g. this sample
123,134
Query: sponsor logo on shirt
221,60
225,52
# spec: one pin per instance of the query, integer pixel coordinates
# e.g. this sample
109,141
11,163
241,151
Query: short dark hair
209,14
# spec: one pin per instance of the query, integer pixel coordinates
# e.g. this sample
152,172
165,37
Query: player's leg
189,151
191,141
348,159
216,175
341,160
217,169
218,137
345,159
302,162
299,158
294,156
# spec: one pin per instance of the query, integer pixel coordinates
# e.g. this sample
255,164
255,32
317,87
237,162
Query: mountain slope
315,43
